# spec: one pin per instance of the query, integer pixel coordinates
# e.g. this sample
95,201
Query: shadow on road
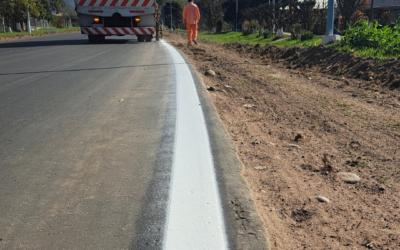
92,69
21,44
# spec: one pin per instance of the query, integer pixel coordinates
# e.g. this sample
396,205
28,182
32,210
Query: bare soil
299,119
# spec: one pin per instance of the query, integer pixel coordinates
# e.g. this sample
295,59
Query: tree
177,13
212,11
306,13
15,11
56,5
347,8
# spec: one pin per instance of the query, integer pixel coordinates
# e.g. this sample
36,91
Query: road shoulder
243,224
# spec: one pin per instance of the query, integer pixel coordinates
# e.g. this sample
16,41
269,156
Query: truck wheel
140,39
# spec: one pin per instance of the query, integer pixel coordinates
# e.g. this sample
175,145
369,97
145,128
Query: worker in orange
191,17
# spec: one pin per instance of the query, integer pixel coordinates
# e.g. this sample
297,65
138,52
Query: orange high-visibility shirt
191,14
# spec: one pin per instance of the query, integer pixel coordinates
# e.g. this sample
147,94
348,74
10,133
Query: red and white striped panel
119,31
119,3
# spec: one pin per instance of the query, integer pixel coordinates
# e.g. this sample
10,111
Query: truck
101,18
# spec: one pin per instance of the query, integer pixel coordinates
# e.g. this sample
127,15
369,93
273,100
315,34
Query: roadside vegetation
371,40
40,32
231,36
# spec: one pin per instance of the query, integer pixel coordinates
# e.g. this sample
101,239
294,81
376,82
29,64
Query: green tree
177,13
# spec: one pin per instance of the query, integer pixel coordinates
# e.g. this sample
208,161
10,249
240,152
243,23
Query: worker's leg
189,33
194,33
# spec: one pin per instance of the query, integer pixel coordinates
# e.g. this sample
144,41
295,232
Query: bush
247,32
266,34
385,40
308,35
296,29
54,21
226,26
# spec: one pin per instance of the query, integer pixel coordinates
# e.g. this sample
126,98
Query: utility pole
330,37
371,11
28,21
237,9
171,15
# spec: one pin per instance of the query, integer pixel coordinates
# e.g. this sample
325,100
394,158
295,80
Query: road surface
89,148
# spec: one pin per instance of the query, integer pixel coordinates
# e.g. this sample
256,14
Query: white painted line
194,220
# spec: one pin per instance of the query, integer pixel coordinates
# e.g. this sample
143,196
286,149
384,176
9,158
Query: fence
38,24
35,25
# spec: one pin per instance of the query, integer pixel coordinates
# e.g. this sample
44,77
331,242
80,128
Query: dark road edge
150,226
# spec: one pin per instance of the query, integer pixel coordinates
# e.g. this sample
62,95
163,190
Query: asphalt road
83,129
115,146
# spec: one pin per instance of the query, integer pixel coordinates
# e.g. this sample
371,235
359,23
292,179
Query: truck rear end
101,18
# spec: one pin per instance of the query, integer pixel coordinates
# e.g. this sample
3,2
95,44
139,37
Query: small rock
370,101
322,199
348,177
210,88
260,167
228,87
249,106
121,100
246,60
255,142
270,143
294,146
221,90
210,72
298,137
309,78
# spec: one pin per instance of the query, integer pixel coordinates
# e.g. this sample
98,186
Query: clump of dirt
325,60
303,133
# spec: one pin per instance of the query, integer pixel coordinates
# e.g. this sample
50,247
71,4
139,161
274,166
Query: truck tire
140,39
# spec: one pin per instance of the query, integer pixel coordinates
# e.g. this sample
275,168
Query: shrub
226,26
266,34
247,32
254,24
54,21
296,29
364,35
307,35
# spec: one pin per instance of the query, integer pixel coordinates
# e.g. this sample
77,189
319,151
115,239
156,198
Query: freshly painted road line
194,218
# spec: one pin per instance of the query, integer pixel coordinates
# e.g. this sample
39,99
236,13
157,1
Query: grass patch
307,43
39,32
231,36
367,52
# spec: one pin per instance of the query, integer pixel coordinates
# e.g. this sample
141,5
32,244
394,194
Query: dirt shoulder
12,38
299,130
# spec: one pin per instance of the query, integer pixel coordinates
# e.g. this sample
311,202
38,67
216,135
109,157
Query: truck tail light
96,19
137,19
